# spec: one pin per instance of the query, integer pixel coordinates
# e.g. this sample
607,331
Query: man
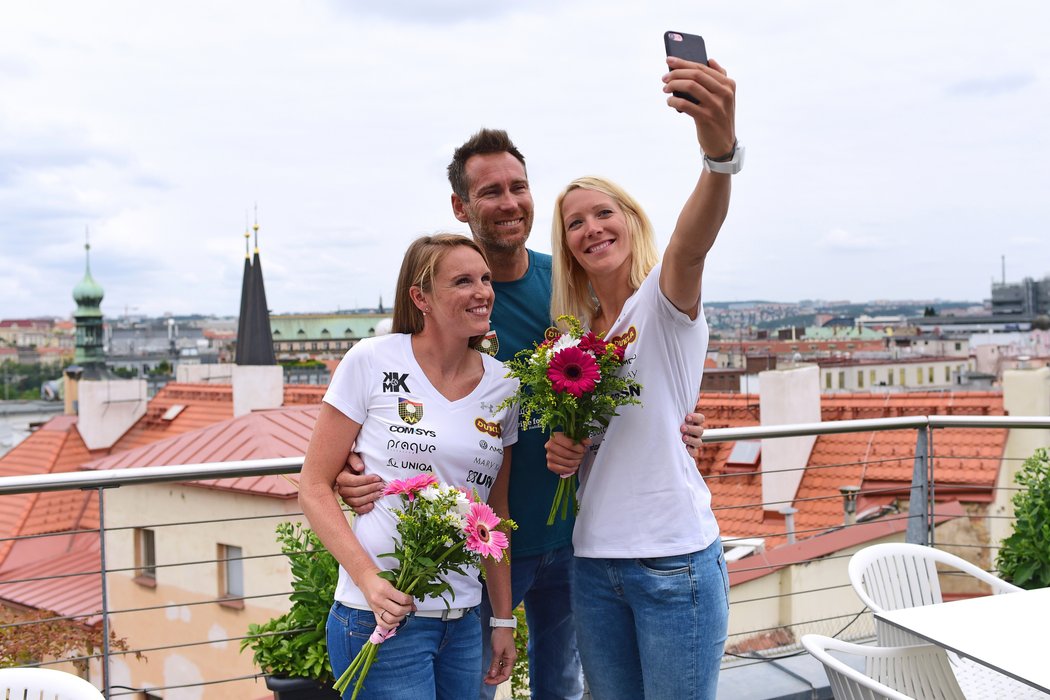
490,193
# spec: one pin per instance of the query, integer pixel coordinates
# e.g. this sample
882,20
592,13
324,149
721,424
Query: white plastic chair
45,684
897,575
919,672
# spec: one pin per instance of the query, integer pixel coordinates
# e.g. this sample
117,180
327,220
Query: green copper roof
88,293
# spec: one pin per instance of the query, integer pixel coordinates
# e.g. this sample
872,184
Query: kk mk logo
410,411
394,382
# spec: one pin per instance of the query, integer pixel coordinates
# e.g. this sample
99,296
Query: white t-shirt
641,494
409,428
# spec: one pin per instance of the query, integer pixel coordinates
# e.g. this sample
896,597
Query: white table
1007,633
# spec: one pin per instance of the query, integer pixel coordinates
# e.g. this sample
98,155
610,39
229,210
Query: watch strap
731,165
511,622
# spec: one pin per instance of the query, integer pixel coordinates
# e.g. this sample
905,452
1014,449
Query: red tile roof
281,432
56,447
966,461
73,559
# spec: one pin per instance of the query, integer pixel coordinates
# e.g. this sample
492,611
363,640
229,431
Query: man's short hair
483,142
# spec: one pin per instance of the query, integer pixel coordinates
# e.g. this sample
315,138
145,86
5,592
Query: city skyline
894,150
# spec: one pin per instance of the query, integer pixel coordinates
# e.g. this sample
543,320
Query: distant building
34,340
901,374
1026,298
321,336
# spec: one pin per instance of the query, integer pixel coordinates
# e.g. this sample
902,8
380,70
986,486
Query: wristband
730,164
510,622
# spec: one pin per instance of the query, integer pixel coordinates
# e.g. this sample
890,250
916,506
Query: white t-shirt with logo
409,428
641,494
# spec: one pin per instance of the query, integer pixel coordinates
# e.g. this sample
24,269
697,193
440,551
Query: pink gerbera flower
481,535
574,371
410,486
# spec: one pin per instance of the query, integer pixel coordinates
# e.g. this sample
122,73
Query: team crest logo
551,334
410,411
489,344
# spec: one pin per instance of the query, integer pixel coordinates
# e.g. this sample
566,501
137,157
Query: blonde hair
571,290
417,270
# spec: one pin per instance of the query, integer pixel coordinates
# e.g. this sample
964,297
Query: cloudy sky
895,149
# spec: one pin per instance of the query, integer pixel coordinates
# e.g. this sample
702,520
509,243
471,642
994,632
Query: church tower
88,294
258,381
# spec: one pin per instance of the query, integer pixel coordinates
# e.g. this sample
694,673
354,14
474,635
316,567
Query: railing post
105,599
919,524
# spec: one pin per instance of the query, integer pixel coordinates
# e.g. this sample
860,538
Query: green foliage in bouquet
576,392
571,383
293,645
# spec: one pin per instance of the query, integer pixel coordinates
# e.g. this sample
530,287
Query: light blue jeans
426,660
544,583
652,628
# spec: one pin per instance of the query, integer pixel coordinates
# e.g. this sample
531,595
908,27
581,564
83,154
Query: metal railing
921,520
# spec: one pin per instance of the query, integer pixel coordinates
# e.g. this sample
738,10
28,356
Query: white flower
565,341
462,506
431,493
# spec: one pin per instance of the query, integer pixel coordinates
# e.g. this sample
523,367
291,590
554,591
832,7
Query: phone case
688,46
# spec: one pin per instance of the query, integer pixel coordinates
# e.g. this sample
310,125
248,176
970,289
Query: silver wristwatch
731,166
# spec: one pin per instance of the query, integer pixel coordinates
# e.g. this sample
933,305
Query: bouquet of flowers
442,529
571,382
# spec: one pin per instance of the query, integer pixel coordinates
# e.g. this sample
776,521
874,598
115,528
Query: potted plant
292,648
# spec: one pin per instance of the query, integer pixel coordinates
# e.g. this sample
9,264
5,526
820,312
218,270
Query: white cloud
159,125
841,239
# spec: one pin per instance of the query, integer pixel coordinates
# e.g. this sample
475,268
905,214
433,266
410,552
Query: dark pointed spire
254,339
246,286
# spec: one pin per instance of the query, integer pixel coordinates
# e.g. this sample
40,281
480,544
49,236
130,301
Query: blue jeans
426,659
652,628
544,583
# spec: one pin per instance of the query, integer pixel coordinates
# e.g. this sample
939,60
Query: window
930,376
231,573
947,373
842,380
889,377
958,346
860,379
918,375
871,377
904,380
827,380
145,557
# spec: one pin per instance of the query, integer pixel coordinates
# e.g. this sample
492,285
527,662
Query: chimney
257,387
787,396
72,375
849,504
789,522
107,408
